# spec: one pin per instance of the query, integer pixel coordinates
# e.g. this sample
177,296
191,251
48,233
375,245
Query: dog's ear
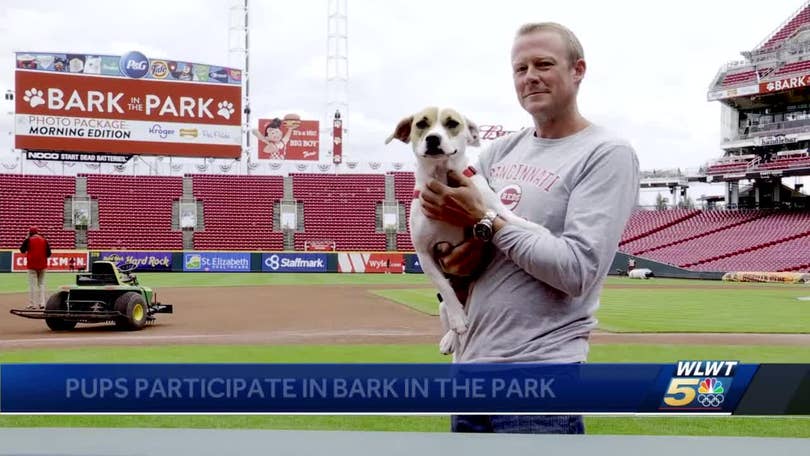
473,134
403,131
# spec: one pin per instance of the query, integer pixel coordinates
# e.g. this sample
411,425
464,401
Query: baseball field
334,318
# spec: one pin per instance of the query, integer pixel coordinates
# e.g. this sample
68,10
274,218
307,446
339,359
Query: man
535,300
38,251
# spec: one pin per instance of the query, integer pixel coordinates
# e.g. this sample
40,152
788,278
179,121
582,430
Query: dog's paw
449,343
458,323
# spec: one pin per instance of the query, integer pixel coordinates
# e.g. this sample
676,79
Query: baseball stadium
144,164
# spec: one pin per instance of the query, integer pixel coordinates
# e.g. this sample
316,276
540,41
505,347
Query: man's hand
460,205
462,263
463,260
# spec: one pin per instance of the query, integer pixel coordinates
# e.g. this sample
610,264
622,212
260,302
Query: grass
654,309
18,283
419,299
732,426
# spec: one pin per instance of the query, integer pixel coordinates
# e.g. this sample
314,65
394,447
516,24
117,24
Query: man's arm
24,246
598,209
47,249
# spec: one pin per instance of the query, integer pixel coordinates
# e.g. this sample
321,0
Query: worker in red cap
37,249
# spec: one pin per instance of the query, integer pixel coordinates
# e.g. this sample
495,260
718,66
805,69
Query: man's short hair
575,51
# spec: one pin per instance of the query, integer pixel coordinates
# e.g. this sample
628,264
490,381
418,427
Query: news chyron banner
125,105
288,138
687,387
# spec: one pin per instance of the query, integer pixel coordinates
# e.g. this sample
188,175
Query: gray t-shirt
536,300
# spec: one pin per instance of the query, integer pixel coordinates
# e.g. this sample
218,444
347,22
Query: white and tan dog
439,137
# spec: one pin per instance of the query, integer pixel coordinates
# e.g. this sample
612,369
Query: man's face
545,81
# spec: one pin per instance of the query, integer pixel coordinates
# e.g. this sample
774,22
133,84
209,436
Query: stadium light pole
238,48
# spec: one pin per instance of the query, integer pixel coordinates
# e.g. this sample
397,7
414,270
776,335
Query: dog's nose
433,141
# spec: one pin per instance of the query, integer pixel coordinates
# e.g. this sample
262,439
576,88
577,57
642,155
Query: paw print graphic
34,97
225,109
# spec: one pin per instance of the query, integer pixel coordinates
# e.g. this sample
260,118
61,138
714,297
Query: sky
649,63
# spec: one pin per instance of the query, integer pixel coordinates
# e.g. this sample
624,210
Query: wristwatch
484,229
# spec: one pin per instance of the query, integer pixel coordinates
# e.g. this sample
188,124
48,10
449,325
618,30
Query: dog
439,137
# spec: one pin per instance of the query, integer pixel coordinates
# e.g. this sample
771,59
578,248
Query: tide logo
510,196
699,385
160,69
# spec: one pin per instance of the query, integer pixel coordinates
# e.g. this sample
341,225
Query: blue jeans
519,424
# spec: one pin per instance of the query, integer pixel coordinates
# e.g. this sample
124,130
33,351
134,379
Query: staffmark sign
294,262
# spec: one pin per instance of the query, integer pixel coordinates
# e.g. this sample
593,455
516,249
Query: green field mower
108,293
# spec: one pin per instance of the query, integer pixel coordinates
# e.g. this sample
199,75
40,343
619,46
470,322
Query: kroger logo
294,263
156,129
134,64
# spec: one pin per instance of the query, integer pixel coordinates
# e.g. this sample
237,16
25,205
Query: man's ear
473,134
579,68
403,131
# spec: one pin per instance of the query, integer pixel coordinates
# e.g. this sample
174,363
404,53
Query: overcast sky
649,63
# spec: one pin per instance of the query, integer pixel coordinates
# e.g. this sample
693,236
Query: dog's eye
451,123
422,124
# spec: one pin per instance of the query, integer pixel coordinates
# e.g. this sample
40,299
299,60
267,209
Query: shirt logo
510,196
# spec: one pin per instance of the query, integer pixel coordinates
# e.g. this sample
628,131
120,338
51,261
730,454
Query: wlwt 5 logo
699,385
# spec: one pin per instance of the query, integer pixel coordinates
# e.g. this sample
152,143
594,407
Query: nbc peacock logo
711,392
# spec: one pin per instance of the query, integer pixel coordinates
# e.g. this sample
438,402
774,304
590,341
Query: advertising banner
216,262
785,84
60,260
126,105
146,261
289,138
412,265
320,246
294,262
370,263
337,140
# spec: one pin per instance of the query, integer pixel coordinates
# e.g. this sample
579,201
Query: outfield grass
18,283
646,309
732,426
421,299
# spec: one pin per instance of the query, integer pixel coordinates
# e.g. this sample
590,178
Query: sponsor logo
216,134
294,263
110,66
189,132
160,69
510,196
193,262
156,129
219,75
210,261
134,64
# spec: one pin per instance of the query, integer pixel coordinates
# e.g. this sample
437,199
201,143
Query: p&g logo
134,64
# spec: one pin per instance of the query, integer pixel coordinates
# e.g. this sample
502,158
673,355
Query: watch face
483,231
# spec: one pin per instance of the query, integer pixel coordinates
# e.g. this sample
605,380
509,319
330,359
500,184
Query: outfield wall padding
5,261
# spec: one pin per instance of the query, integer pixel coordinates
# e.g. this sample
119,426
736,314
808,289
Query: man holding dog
535,299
